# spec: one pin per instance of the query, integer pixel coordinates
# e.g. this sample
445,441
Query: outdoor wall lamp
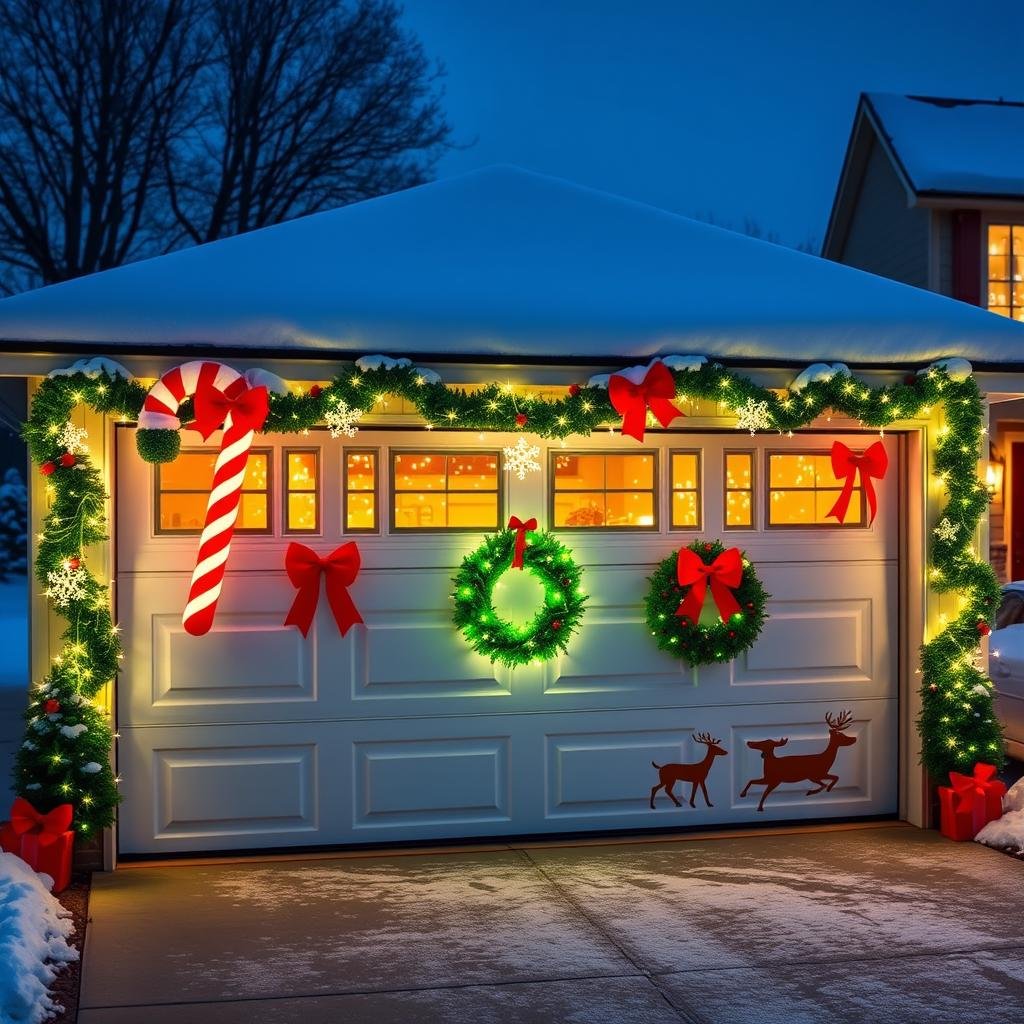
994,474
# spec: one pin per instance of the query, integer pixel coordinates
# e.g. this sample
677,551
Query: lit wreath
676,597
557,618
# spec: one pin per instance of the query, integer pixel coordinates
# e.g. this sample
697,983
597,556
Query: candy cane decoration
221,397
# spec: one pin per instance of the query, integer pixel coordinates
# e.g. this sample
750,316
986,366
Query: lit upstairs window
1006,270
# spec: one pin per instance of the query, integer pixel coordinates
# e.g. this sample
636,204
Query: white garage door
253,736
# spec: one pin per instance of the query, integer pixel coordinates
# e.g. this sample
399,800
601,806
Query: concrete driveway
883,923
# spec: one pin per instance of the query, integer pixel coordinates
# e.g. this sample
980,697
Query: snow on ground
1007,832
34,929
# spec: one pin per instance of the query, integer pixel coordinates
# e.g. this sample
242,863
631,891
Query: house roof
503,263
954,146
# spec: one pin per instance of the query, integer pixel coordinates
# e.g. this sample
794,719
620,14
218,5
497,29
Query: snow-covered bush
13,524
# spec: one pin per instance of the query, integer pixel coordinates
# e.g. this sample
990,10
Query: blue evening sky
735,110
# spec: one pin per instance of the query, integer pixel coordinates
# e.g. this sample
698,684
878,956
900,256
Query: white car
1006,666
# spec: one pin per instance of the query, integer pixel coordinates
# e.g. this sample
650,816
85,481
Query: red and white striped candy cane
221,396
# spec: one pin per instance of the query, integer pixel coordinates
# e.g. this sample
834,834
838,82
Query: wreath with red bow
705,603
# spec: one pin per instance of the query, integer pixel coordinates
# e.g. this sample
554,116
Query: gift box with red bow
44,841
970,802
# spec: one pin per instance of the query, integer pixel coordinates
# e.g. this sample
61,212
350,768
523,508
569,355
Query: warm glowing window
739,489
360,490
445,490
615,491
802,489
302,490
1006,270
686,490
183,487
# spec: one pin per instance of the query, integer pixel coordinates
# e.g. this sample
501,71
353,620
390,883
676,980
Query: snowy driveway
870,924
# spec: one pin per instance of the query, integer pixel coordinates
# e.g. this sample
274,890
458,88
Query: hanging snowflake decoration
342,419
66,584
946,530
72,438
521,458
753,416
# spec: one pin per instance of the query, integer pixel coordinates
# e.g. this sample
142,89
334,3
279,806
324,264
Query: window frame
553,490
499,491
287,491
752,489
374,491
836,525
698,490
268,531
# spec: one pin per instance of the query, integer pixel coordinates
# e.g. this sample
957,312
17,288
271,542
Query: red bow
632,401
872,463
515,523
248,409
725,572
341,567
966,787
51,826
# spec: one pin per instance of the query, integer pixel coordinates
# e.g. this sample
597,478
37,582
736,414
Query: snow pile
636,374
955,367
92,368
34,929
257,377
1007,832
816,372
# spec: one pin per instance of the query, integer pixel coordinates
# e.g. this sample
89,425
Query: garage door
253,736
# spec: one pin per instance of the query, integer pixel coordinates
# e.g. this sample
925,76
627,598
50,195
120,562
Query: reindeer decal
800,767
695,774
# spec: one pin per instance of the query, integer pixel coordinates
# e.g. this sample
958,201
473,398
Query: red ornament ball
984,628
521,419
51,707
574,390
732,634
556,623
707,547
909,379
67,460
315,391
750,605
74,563
47,468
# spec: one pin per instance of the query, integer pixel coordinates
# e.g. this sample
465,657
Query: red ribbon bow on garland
981,783
50,826
515,523
304,567
248,409
724,573
872,463
632,401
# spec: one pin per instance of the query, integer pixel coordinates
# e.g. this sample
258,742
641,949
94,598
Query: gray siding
943,226
885,237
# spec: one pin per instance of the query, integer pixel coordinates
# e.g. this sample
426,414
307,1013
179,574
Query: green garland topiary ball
158,445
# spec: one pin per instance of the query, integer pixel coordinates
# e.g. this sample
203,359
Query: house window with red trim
1006,270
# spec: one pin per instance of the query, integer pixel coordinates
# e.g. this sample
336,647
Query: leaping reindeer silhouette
696,773
798,767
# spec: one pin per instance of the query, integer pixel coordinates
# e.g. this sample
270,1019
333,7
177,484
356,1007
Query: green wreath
699,640
556,620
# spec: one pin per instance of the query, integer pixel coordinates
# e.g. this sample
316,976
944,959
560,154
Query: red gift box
10,841
970,802
52,858
43,841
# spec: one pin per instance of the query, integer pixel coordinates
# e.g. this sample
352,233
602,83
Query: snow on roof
503,263
960,146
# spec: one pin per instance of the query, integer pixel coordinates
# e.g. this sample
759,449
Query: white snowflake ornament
946,530
342,419
72,438
65,584
753,416
521,458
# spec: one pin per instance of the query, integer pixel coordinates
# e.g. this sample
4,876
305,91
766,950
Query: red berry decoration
67,460
909,379
574,390
556,623
47,468
707,547
51,707
732,634
74,563
521,419
984,628
315,391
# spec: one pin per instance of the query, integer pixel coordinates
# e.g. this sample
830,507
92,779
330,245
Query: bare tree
92,96
310,104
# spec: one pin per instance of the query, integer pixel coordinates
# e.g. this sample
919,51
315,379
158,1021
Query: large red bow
724,573
515,523
872,463
981,783
50,827
632,401
304,567
248,409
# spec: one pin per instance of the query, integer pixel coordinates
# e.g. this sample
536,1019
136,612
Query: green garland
957,724
556,620
695,642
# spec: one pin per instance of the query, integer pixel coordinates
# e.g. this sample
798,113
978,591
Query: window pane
998,239
1001,310
628,471
252,512
361,470
473,510
738,470
190,471
684,471
437,490
826,499
789,507
256,469
684,508
419,511
302,471
578,472
302,511
998,268
580,509
182,511
626,509
472,472
361,491
738,508
419,472
790,471
361,512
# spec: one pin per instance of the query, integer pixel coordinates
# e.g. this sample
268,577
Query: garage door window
802,489
183,487
360,491
302,490
739,490
604,491
686,490
445,490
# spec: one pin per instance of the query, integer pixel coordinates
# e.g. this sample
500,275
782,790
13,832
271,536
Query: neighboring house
932,194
